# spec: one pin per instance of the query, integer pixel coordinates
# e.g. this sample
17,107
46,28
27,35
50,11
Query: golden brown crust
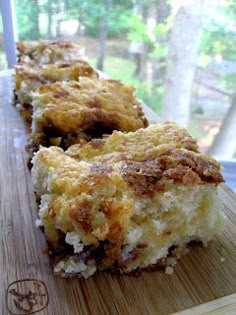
23,46
82,215
91,104
52,73
178,165
141,145
145,168
124,202
45,52
152,156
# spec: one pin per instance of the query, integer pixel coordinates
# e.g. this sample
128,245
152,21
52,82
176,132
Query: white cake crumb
222,259
59,266
38,223
73,239
19,106
171,261
160,226
89,271
169,270
134,235
71,267
74,267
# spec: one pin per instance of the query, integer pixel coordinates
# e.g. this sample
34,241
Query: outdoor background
180,55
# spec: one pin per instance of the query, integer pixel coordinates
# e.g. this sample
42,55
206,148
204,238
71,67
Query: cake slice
29,77
48,52
66,112
128,202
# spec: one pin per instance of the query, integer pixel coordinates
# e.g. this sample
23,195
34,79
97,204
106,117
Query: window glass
179,55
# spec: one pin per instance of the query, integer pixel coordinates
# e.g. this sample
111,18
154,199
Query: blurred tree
50,14
224,144
147,23
182,60
219,32
219,42
101,19
148,32
161,10
103,34
139,37
28,19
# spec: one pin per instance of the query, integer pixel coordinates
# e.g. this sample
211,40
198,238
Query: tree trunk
224,144
144,8
103,34
161,11
80,18
182,61
35,19
49,7
140,49
67,4
144,62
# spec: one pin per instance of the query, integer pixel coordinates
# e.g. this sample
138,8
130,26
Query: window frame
9,30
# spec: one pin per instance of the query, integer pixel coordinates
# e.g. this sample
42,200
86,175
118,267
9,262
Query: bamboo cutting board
205,276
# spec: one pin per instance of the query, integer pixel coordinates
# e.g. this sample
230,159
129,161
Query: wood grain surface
203,275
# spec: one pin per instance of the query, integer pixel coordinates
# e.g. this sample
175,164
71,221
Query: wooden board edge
222,306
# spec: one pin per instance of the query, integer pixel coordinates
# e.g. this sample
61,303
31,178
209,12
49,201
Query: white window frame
229,172
9,30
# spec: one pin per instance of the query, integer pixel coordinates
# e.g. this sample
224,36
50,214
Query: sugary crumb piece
73,239
38,223
169,270
59,266
171,261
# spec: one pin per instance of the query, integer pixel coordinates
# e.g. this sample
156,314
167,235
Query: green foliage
122,69
229,82
27,13
161,29
119,68
219,41
218,35
159,51
219,32
89,13
92,13
138,31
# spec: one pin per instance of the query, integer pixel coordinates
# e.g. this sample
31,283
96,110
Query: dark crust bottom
59,250
98,254
36,140
25,110
160,265
14,98
26,113
32,146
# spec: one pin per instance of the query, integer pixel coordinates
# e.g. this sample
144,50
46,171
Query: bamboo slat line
200,277
221,306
